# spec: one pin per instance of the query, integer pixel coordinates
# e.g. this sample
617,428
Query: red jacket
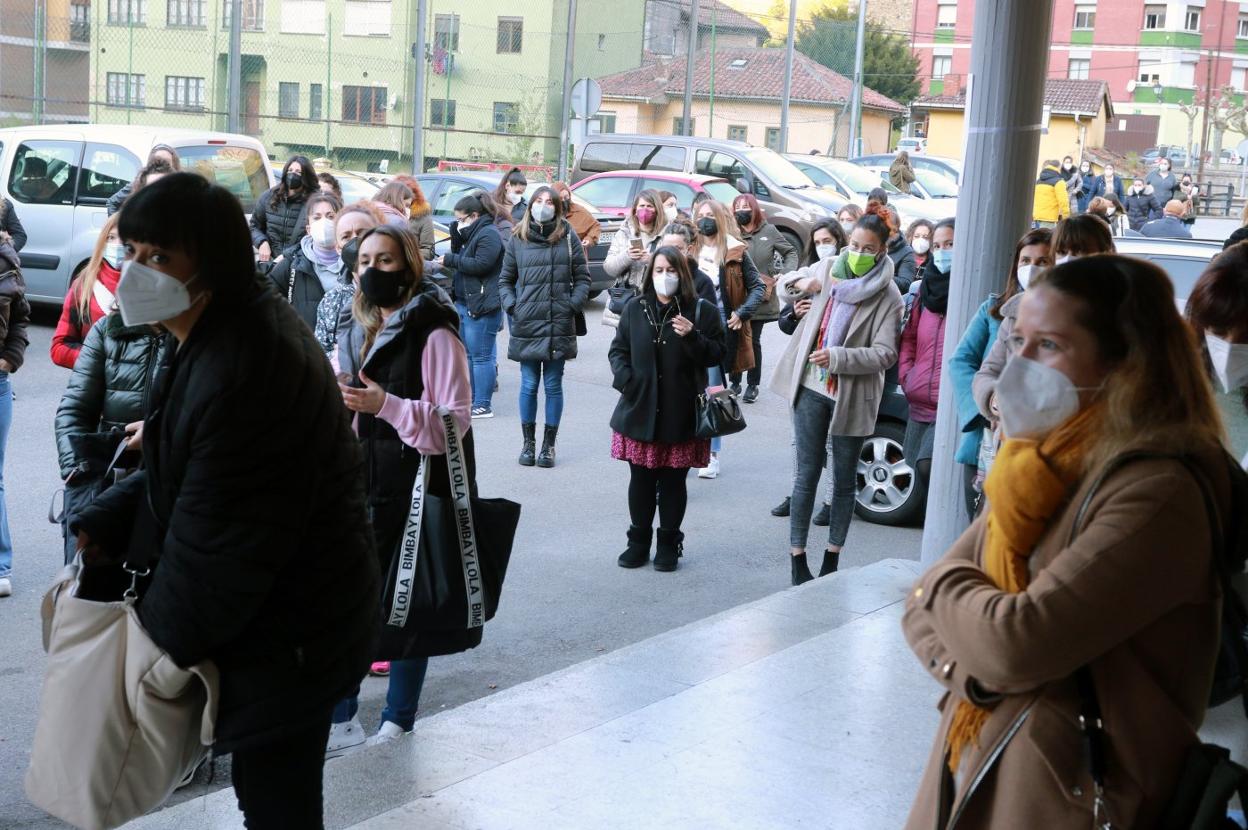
71,329
922,350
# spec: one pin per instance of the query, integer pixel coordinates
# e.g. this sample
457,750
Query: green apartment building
335,78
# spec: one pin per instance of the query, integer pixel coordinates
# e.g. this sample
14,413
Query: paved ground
565,599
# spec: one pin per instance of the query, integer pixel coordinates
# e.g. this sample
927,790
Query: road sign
586,97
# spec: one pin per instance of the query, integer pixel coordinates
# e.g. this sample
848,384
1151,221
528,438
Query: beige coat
870,347
1134,597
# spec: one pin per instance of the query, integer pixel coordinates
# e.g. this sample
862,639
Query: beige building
44,61
737,96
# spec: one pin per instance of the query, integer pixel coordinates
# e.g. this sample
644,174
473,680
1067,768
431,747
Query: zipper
934,375
986,767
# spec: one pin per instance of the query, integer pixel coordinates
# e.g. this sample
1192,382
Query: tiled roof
1061,95
723,15
742,74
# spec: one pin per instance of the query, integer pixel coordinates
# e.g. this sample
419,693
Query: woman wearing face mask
277,220
772,254
1087,181
394,200
91,295
1218,310
832,373
1109,182
919,235
161,152
1142,205
671,207
581,220
1075,237
420,215
1189,194
476,258
509,194
350,224
1163,182
848,216
1031,256
1070,589
923,351
723,257
1074,181
251,500
315,267
633,244
543,285
681,235
1107,208
905,266
398,362
666,340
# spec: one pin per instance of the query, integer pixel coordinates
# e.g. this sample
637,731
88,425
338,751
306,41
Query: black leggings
672,496
755,376
278,784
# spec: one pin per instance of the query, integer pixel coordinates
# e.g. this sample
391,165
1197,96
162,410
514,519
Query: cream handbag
120,725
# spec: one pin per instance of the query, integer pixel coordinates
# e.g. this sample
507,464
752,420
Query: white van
58,179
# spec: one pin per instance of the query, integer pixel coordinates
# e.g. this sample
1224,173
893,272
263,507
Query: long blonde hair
84,285
365,312
727,227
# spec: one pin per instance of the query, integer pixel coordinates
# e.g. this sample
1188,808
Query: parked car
940,194
947,167
614,193
767,174
913,145
443,190
80,166
854,183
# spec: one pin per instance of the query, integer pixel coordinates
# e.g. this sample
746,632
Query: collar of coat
115,328
431,306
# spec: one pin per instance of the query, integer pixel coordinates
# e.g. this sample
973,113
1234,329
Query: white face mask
513,197
825,251
666,283
322,232
1062,260
114,253
146,296
670,213
1230,362
848,226
1111,210
464,224
921,244
543,212
1034,399
1025,273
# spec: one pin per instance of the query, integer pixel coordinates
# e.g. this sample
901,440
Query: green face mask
860,263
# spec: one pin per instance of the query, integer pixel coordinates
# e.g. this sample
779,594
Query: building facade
667,27
44,61
1154,56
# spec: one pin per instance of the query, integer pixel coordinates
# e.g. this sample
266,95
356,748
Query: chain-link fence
331,79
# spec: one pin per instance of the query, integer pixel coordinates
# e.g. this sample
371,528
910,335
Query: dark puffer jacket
14,309
281,224
476,257
904,266
1141,207
111,383
542,286
252,500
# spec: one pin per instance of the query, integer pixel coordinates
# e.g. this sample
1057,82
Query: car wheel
889,491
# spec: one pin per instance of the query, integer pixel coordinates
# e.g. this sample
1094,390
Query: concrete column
1009,60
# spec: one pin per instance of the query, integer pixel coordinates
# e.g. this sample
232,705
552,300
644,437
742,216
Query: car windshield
860,179
936,185
721,192
240,170
355,189
777,168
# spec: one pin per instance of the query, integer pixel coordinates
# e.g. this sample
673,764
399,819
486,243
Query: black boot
735,387
801,571
751,394
831,560
822,517
782,509
668,549
546,458
528,450
638,551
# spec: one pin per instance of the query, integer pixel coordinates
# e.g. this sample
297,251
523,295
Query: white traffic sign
586,97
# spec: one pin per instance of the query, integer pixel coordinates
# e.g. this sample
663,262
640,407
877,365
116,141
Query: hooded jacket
905,265
542,286
1141,207
920,361
1051,201
14,308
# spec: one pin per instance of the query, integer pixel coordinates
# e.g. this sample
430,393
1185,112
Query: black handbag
447,575
619,293
102,459
718,414
578,316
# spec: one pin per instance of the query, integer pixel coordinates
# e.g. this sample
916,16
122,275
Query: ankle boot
668,549
529,448
831,560
546,458
638,551
801,571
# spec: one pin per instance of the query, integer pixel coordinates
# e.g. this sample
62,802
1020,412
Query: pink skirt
653,455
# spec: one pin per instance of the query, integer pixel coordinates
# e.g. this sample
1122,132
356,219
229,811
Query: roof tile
1061,95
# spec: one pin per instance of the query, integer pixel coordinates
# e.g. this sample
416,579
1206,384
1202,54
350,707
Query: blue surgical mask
942,258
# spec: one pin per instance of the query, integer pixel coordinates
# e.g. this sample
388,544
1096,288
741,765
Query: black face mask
382,288
707,226
351,254
744,217
294,181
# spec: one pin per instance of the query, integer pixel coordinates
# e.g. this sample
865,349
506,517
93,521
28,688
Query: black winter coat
904,267
394,362
542,286
1142,208
252,500
476,256
10,224
14,315
281,224
111,383
659,383
295,280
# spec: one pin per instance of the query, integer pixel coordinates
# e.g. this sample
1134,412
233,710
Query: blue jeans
812,416
407,678
550,372
481,340
6,418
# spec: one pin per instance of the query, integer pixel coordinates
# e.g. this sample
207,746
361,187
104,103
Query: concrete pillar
1009,61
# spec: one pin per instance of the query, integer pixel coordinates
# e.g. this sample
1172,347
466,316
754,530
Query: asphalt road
565,600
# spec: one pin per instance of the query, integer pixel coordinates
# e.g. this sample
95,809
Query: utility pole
788,79
418,93
855,115
710,118
37,81
687,118
565,103
234,82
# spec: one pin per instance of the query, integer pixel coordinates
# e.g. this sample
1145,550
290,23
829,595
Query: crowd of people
283,383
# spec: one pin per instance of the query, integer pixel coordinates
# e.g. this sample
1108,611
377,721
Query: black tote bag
447,575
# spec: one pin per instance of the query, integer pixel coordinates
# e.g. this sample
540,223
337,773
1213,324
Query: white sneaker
344,738
6,587
389,731
711,470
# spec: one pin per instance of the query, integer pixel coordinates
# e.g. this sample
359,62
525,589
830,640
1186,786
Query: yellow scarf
1027,485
